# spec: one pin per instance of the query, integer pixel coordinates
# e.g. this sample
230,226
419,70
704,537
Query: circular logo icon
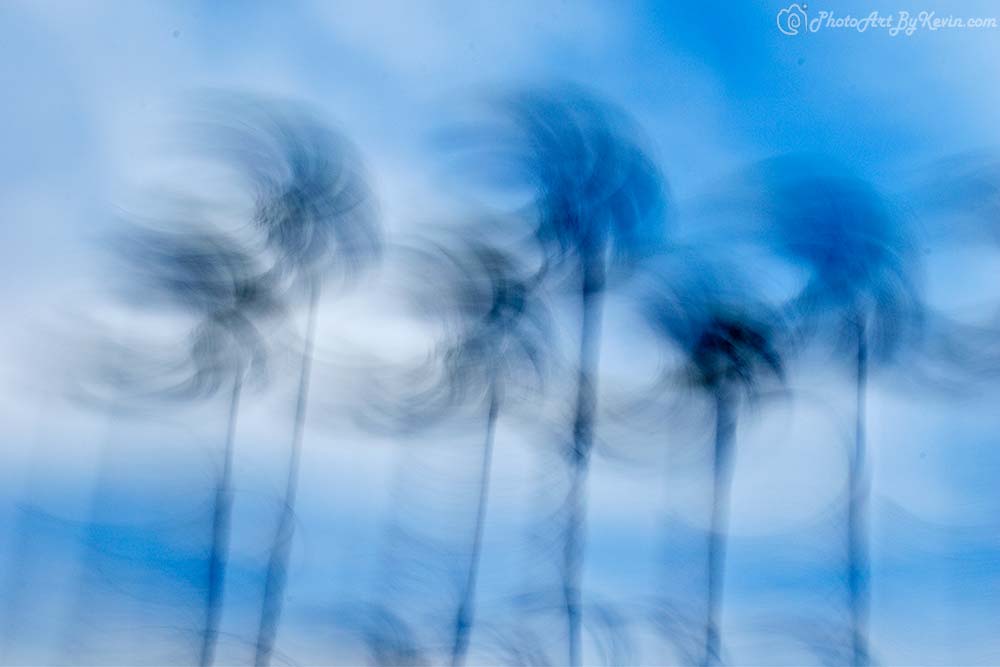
792,18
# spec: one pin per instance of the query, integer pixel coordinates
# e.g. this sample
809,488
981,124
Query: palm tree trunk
221,518
857,508
725,429
583,440
277,565
466,607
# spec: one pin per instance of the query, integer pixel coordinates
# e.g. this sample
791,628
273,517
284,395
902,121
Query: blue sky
89,89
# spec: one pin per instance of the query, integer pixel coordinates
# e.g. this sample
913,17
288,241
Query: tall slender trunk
722,457
221,519
277,565
466,608
857,515
583,440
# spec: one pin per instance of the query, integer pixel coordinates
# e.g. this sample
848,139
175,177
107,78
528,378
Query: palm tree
496,337
500,331
207,276
861,264
599,200
728,344
317,214
217,287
